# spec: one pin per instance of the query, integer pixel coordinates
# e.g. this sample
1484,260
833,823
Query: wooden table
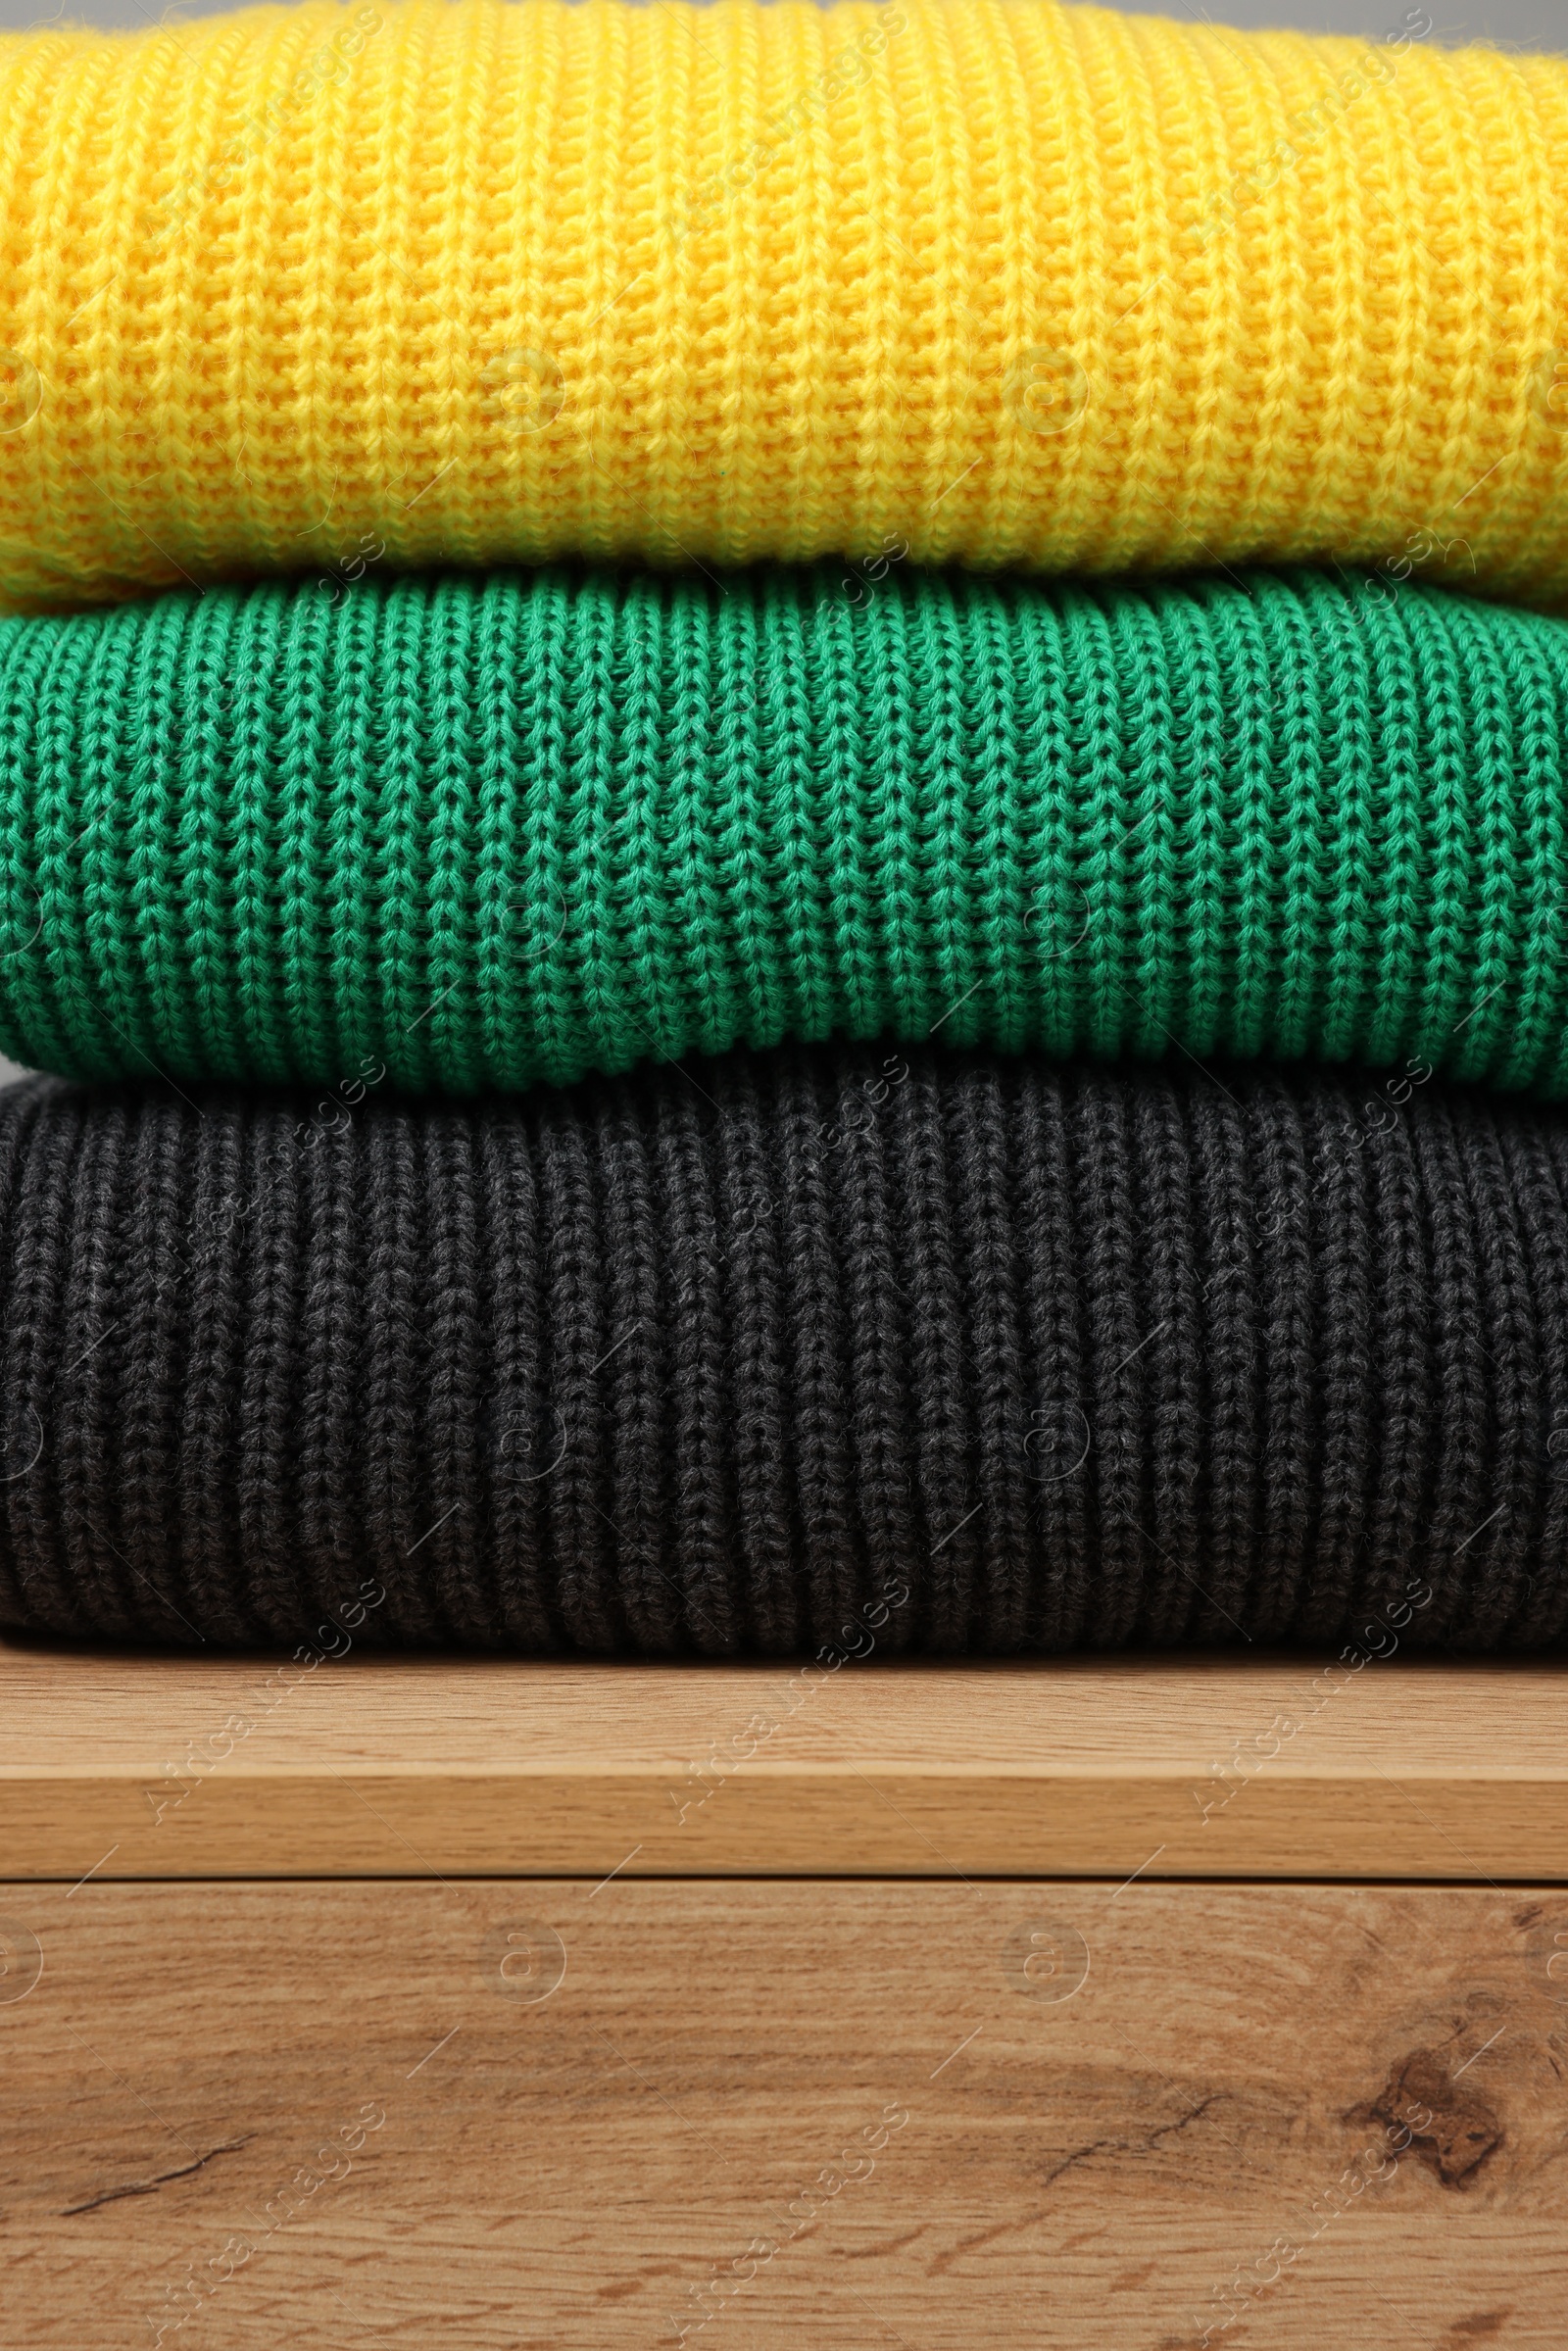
1116,2006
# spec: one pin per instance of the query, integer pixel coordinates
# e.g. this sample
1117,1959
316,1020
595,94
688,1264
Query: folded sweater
968,1352
1014,283
485,831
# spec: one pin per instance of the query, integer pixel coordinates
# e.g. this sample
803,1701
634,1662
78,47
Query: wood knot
1446,2124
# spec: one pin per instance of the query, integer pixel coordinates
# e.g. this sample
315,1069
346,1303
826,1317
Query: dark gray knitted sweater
719,1361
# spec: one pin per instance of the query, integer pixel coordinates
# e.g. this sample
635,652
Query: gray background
1510,24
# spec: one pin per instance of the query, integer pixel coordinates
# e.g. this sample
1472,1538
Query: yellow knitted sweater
994,281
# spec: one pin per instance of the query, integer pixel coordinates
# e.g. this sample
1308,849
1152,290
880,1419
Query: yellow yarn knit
1004,281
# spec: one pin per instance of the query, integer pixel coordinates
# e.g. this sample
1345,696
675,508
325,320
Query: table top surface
1293,1765
87,1710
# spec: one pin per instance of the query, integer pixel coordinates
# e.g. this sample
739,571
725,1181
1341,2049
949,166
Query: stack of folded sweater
787,791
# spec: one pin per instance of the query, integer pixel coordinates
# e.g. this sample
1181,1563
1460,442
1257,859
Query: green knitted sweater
486,830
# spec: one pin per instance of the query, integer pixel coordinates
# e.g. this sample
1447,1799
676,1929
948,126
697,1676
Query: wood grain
1234,1766
1116,2103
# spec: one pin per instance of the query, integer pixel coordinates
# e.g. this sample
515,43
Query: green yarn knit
487,830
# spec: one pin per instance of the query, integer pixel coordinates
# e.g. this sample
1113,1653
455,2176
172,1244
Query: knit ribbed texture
1015,282
727,1363
485,832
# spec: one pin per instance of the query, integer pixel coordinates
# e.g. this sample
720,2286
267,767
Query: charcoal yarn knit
990,1354
485,831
